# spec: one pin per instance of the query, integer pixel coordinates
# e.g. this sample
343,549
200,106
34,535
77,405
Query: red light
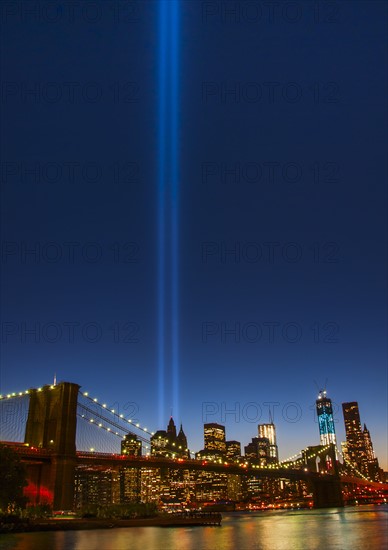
37,494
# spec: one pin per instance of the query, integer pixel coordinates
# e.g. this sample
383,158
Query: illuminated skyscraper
130,484
359,443
131,445
233,450
94,486
168,444
355,442
325,419
344,450
268,431
370,454
214,436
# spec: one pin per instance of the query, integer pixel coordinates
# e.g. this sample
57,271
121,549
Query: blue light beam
168,201
174,152
161,235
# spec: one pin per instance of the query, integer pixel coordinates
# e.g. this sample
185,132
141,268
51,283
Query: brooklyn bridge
61,433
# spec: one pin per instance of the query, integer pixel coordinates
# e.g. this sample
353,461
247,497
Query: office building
233,451
324,410
131,445
359,447
268,431
214,436
166,443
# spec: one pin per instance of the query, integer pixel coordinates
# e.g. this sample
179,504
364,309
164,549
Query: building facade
324,410
169,444
268,431
214,437
131,445
233,451
359,447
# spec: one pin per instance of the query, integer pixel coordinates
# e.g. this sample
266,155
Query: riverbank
77,524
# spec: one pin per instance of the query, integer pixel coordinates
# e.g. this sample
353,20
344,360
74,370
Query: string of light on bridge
23,393
106,428
353,467
290,458
99,424
105,407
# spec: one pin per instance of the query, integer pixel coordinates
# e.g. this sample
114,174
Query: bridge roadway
100,459
107,460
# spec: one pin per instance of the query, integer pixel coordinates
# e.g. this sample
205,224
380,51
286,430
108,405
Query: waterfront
353,528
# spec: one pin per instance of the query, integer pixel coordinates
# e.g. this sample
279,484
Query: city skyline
261,429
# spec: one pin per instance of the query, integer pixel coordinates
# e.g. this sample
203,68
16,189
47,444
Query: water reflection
335,529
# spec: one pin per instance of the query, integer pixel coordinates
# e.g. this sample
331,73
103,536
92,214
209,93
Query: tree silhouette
13,480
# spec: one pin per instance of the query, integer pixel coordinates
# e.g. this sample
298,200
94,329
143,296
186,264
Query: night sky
281,160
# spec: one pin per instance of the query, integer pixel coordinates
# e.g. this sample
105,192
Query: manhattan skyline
248,414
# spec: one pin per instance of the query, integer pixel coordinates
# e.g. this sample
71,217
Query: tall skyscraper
355,442
359,443
214,436
325,419
215,444
268,431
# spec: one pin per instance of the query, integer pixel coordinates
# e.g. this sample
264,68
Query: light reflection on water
358,528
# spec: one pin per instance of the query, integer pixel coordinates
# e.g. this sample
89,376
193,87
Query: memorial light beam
174,148
161,226
168,202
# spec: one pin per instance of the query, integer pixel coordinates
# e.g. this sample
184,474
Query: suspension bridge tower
51,425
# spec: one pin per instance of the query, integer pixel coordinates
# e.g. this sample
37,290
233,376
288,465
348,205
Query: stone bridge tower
51,425
326,486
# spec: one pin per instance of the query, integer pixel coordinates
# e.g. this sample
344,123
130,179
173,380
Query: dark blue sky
295,100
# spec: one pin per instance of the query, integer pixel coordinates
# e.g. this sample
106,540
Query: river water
358,528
